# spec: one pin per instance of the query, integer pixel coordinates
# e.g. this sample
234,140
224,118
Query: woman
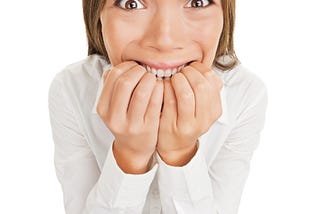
160,117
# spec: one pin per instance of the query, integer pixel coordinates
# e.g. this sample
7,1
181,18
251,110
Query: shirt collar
223,119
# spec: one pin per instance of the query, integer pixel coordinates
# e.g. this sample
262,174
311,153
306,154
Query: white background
278,40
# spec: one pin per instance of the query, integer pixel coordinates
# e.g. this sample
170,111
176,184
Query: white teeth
160,73
167,73
154,71
164,73
174,71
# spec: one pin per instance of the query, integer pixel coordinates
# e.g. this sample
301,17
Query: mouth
163,70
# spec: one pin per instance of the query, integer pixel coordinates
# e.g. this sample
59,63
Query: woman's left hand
191,105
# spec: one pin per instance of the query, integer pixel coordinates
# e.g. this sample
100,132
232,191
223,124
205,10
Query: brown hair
91,13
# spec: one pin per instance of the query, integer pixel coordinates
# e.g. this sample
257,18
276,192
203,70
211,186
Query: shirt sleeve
185,189
86,189
201,187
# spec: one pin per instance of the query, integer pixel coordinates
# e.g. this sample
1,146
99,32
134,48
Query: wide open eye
129,4
199,3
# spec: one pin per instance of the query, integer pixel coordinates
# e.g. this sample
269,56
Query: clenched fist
191,105
130,105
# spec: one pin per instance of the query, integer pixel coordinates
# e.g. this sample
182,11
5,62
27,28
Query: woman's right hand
130,106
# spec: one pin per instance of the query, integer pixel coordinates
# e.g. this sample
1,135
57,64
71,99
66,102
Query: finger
202,68
185,97
105,75
140,97
108,86
155,104
169,109
209,74
123,91
215,83
200,87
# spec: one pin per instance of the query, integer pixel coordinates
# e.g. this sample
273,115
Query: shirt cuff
189,182
124,190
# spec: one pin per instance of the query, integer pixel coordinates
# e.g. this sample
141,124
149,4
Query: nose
166,30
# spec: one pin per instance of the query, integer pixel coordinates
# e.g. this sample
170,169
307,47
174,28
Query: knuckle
115,71
140,95
101,111
187,95
124,83
201,86
154,102
171,101
217,81
210,73
188,130
109,120
133,130
114,127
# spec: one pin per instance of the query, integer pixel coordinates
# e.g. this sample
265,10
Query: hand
191,105
130,105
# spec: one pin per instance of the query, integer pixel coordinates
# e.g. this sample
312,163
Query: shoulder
76,85
80,77
241,78
90,68
245,90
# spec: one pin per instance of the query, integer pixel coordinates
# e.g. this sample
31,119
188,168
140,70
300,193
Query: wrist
131,162
178,157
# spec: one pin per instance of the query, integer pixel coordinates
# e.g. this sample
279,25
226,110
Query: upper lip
164,65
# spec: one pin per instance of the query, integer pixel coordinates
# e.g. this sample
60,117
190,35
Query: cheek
119,32
114,40
208,37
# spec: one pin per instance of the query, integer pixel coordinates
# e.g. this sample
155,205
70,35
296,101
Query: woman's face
162,33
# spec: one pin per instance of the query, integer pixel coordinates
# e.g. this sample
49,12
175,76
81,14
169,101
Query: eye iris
131,5
197,3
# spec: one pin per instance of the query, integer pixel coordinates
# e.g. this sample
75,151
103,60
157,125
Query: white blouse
92,183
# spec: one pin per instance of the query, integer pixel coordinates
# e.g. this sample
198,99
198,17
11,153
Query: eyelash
119,2
208,4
